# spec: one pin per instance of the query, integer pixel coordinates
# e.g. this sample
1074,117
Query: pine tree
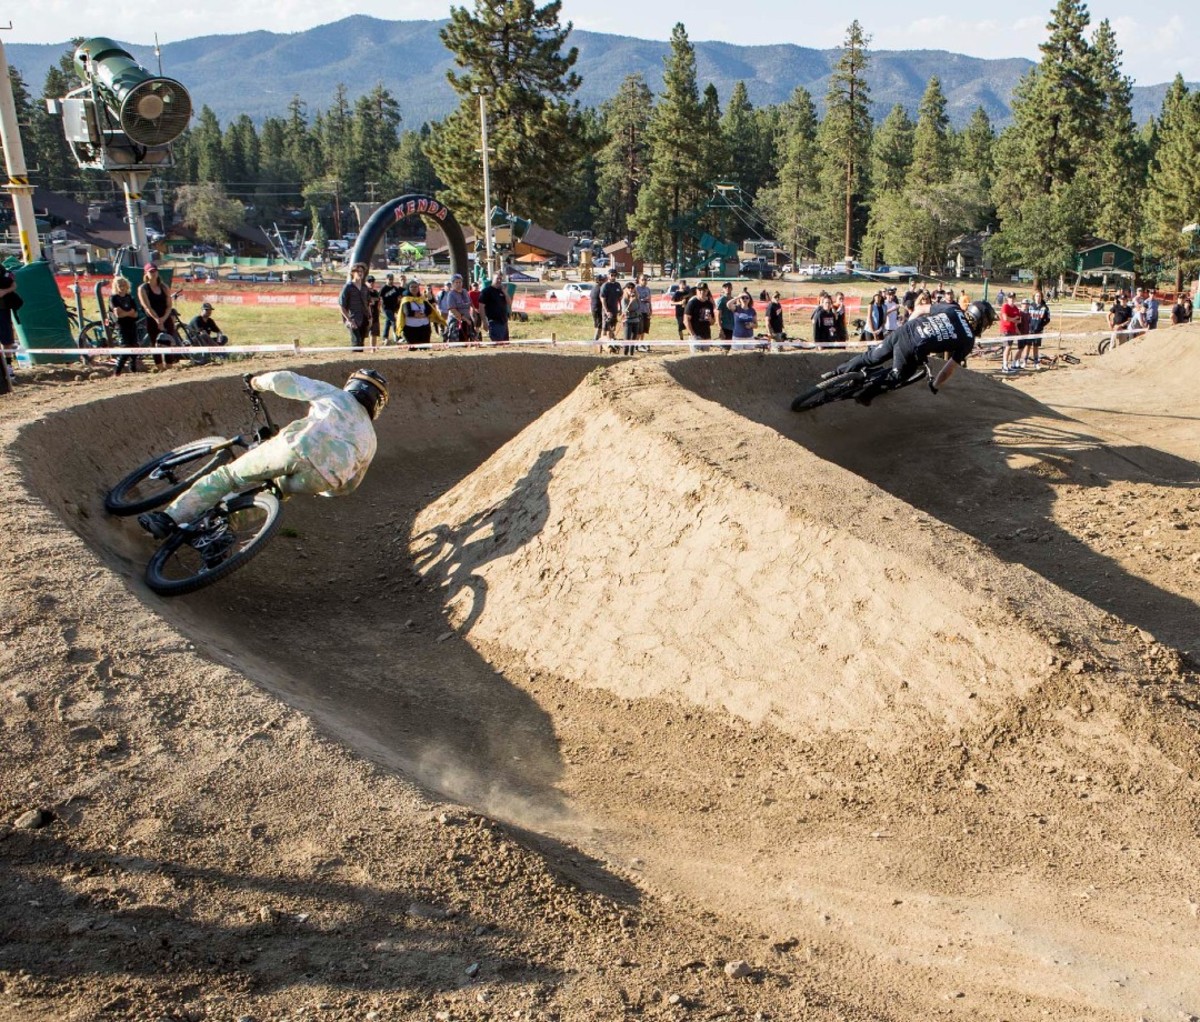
932,153
748,158
788,204
976,145
375,133
622,163
513,51
845,140
679,170
1173,201
410,168
891,152
46,147
241,153
209,147
1117,168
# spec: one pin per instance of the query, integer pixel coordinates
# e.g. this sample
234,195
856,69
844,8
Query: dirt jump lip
802,663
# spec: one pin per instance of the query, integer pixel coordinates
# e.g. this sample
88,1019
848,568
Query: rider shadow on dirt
982,457
448,555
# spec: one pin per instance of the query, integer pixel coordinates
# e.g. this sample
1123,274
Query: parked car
569,292
759,268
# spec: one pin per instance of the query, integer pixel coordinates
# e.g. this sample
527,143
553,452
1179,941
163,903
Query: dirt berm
617,690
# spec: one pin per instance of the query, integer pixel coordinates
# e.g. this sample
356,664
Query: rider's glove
246,378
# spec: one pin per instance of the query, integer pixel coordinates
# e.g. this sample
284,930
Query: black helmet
370,389
981,315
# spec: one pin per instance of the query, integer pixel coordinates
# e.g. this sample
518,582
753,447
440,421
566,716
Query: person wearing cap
418,313
206,327
698,317
155,299
775,321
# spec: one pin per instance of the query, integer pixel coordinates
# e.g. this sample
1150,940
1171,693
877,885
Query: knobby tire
138,492
177,569
827,391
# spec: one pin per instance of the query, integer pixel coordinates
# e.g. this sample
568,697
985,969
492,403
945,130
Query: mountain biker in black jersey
945,330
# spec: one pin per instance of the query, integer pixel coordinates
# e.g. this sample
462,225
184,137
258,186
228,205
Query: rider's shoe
158,523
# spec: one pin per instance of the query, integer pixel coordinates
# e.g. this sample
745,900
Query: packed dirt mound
1145,388
850,696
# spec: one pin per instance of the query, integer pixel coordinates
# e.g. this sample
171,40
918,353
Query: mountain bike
860,384
226,537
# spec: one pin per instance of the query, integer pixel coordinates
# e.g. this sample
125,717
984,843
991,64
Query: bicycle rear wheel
164,478
834,389
177,568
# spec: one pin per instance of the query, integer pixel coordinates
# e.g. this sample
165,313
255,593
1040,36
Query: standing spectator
1010,328
155,299
824,322
745,321
476,307
122,309
389,301
610,306
418,313
839,312
892,307
1039,319
631,316
374,307
725,311
680,295
493,300
1181,311
1119,315
644,297
877,317
1151,306
597,305
8,340
775,321
457,309
353,301
698,317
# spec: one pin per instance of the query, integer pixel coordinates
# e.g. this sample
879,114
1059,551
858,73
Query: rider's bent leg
274,459
875,355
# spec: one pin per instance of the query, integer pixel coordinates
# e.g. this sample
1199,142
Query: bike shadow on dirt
272,929
982,457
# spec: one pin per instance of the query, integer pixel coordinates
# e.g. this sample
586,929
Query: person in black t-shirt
945,330
205,324
493,301
699,315
123,312
389,300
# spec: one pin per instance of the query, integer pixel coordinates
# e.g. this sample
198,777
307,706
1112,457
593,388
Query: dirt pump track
618,690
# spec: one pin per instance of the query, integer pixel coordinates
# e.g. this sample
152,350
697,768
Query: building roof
544,240
105,230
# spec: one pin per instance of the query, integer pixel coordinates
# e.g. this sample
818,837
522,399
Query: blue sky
1155,37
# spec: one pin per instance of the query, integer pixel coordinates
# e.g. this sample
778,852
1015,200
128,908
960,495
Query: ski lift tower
123,121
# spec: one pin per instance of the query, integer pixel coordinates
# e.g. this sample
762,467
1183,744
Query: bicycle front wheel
177,568
826,391
164,478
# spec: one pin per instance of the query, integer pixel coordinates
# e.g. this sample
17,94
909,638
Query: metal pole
18,175
487,184
133,181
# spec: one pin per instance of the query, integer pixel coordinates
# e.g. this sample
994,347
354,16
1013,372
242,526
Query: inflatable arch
403,206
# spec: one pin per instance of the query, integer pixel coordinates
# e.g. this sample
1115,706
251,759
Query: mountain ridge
258,72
